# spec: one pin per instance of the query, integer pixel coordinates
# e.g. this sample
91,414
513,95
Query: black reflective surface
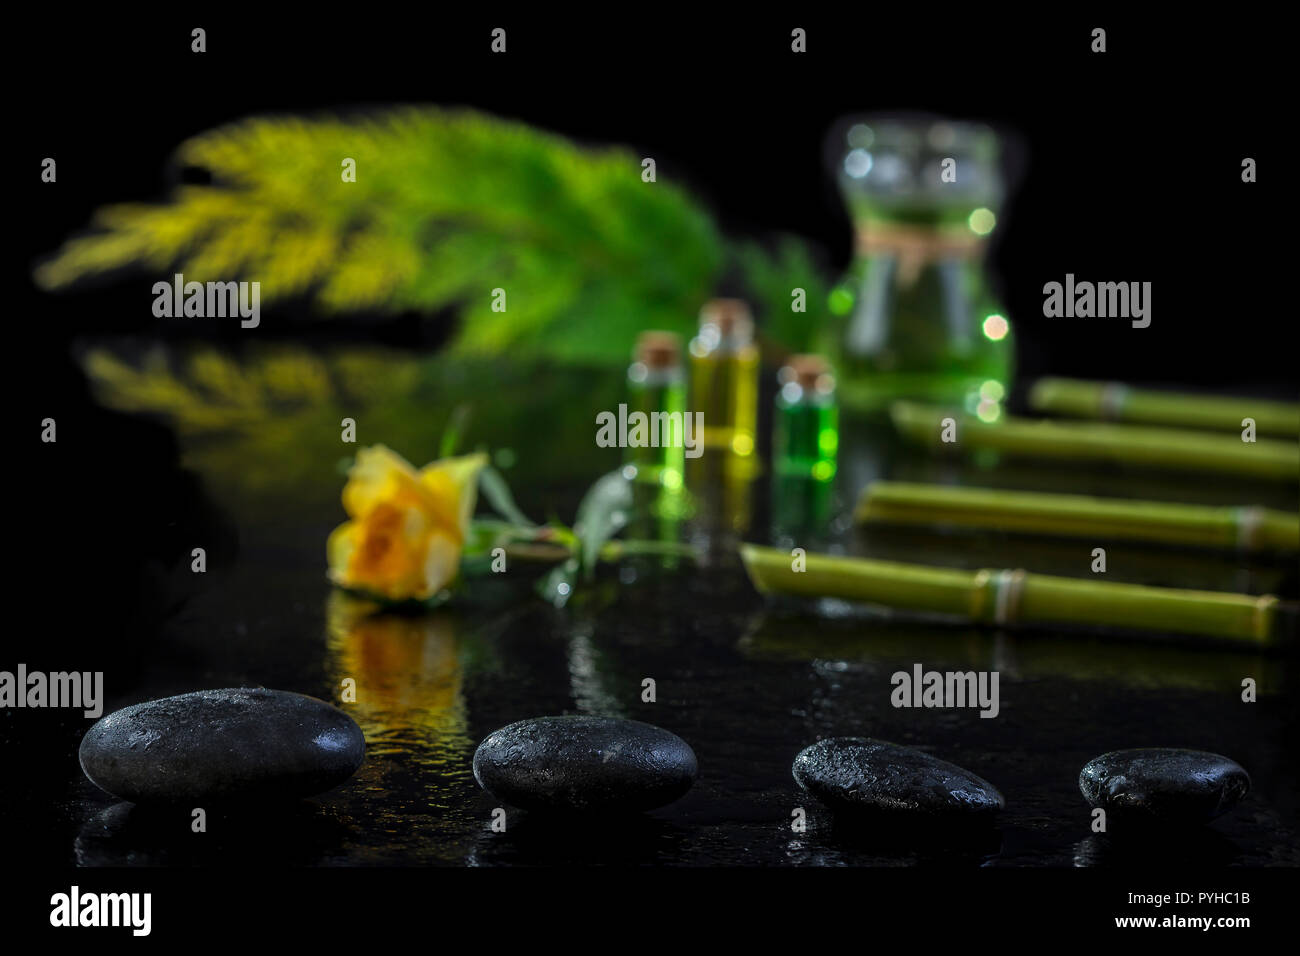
747,682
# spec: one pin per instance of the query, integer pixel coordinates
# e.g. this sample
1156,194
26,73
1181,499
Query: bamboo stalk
1116,402
1012,597
1122,444
1245,528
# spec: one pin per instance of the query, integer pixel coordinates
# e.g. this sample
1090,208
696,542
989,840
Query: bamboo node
1111,400
1248,521
979,594
1262,623
1006,604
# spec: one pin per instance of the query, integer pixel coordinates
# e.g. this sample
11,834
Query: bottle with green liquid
806,429
805,449
656,385
917,317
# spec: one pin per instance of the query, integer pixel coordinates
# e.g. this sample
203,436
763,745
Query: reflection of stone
542,839
408,673
1199,847
128,834
861,840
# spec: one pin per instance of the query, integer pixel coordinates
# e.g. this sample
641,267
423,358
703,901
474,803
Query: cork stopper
812,373
731,317
658,350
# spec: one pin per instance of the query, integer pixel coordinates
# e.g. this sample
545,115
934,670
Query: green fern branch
446,207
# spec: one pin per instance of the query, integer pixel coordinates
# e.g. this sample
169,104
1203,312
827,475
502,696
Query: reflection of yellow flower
407,528
408,674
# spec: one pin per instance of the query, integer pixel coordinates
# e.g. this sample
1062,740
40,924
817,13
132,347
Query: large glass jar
918,319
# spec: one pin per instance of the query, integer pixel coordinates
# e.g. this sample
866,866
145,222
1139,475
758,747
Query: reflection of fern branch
213,392
265,423
446,207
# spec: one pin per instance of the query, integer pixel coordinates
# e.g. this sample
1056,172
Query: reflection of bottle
724,377
920,321
657,388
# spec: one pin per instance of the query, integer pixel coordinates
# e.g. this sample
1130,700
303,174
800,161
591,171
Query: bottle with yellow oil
724,377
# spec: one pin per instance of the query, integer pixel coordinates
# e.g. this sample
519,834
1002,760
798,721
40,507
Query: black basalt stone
862,776
584,764
235,744
1162,785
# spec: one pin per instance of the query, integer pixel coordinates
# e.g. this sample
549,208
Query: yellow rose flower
407,527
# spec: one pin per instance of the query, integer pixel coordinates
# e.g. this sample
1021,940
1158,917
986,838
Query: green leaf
617,550
771,277
451,434
604,511
497,492
404,604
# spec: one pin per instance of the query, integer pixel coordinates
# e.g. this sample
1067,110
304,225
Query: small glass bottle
656,385
724,377
805,448
806,429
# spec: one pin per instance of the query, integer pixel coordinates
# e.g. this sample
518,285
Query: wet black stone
877,779
584,764
222,745
1162,785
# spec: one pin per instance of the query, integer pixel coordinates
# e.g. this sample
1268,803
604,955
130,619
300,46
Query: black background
1131,159
1131,171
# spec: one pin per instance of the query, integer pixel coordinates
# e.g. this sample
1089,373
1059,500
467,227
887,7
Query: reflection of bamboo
407,670
1122,444
1143,563
1111,400
1080,515
586,678
1126,663
1011,597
